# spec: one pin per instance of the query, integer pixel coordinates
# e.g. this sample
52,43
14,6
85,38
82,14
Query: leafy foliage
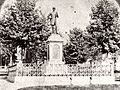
22,26
102,35
80,47
104,26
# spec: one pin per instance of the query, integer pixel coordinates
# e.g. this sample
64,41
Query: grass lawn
90,87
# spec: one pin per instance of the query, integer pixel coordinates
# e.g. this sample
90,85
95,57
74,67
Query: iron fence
30,69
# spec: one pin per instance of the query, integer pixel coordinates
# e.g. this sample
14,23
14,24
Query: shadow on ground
90,87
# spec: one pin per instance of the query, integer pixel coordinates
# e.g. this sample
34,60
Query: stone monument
55,48
52,17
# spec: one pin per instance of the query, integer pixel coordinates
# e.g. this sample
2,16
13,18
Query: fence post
91,71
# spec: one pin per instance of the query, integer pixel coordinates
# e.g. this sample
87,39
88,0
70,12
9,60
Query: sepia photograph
59,44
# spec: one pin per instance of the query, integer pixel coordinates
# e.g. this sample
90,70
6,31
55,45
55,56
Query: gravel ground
5,85
91,87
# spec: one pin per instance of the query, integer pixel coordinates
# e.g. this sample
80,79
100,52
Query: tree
104,26
102,35
22,26
5,55
80,48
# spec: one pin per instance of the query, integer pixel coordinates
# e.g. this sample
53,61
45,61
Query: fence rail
94,70
2,67
29,69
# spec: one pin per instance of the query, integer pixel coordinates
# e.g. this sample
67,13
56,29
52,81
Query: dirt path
5,85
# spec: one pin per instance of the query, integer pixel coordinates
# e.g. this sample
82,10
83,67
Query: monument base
56,69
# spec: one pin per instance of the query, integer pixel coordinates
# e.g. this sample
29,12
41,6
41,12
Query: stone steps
3,72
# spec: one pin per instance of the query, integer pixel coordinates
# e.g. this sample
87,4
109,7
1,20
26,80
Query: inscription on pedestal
56,51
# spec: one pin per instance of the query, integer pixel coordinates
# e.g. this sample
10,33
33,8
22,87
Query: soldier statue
52,17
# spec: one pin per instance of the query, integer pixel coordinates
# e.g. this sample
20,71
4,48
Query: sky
72,13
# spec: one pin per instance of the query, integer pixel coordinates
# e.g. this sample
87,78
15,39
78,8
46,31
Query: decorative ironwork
30,69
90,70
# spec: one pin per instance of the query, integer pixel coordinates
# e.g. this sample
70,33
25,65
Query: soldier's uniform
52,16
